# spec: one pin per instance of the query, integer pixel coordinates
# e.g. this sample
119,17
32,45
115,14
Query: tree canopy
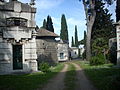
44,24
72,44
103,26
49,24
64,29
76,36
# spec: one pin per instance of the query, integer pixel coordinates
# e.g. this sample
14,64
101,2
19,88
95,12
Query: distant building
74,52
62,50
112,41
46,46
17,37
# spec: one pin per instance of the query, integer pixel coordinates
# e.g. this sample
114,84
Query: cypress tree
103,26
49,24
85,39
72,45
44,24
76,36
36,28
64,30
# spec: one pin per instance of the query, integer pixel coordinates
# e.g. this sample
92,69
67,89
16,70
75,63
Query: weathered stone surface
47,50
17,25
62,52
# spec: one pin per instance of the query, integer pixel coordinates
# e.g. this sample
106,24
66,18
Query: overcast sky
73,10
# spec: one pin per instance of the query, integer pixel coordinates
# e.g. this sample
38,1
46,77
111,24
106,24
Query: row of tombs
21,46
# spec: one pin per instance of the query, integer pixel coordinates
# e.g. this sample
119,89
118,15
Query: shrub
97,60
44,67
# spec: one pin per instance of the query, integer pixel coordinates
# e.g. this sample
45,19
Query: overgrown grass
104,77
27,81
70,78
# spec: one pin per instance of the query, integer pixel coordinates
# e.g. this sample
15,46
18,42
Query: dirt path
56,83
82,82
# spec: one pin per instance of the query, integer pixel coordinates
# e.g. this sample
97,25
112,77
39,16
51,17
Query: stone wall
47,50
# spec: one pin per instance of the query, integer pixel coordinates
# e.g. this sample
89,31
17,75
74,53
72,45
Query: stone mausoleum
17,37
46,46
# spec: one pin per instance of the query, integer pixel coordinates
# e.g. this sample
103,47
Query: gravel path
56,83
82,82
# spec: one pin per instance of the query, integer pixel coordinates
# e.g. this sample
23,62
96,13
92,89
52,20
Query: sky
73,10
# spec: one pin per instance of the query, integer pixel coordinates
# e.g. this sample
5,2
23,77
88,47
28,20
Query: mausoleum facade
17,37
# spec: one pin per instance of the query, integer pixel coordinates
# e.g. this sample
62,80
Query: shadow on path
82,82
56,83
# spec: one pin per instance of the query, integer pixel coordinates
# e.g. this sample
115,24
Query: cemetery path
57,83
82,82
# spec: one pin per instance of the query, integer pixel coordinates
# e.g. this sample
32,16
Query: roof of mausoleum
46,33
9,6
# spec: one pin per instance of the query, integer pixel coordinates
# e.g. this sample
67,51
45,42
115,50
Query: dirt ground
57,83
82,82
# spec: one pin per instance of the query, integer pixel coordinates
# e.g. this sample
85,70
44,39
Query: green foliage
49,24
31,81
76,37
72,45
64,29
99,45
70,78
81,42
44,24
44,67
104,77
103,28
113,53
97,60
84,41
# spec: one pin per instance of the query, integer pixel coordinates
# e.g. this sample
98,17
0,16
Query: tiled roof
44,33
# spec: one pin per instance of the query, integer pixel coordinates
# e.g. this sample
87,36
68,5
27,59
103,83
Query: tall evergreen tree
76,36
64,30
85,39
44,24
49,24
90,12
72,45
103,27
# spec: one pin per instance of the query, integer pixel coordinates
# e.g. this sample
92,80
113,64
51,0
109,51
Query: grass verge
104,77
70,78
27,81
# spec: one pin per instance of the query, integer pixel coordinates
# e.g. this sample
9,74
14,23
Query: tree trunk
90,21
88,41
